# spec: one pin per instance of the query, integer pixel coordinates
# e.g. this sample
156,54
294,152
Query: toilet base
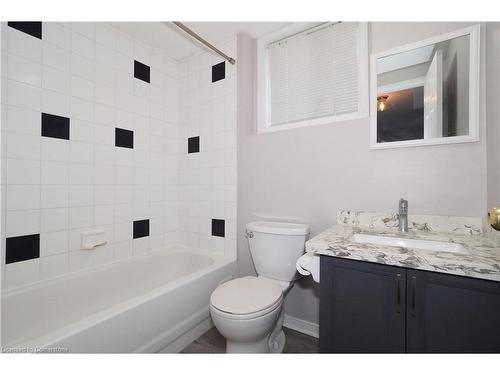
278,344
274,342
261,346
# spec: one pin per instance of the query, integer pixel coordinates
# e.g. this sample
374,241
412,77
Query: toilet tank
275,247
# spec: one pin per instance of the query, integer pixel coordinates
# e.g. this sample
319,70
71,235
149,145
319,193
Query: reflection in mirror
423,93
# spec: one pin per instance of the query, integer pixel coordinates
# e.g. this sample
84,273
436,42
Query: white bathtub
156,302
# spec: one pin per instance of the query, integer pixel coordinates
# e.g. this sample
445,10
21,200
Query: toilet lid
245,295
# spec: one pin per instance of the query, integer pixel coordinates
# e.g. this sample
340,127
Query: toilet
248,311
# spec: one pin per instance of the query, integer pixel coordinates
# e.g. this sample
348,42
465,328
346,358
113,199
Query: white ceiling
179,45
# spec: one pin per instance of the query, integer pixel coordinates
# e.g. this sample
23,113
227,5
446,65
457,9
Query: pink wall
313,172
493,112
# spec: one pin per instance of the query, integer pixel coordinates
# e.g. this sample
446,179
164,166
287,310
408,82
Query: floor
213,342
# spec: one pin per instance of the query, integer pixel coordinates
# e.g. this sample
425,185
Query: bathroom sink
449,247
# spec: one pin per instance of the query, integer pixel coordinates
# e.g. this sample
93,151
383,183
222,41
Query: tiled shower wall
207,173
66,168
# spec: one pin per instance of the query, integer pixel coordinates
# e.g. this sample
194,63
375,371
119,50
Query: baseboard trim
302,326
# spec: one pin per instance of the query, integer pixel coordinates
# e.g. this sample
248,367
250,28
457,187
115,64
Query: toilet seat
246,298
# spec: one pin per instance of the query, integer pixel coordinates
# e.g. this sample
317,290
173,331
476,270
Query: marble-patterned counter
481,261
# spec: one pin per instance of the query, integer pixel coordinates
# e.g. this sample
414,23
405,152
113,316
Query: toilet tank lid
274,227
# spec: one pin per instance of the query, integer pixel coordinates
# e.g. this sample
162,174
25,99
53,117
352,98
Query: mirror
427,92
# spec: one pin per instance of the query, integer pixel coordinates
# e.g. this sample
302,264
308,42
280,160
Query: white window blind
313,74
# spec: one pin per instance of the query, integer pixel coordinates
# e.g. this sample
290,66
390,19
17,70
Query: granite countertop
481,261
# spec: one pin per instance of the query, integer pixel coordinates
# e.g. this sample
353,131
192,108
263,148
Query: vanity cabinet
362,307
451,314
373,308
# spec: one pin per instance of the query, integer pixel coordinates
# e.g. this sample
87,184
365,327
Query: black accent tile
141,71
218,227
124,138
193,145
55,126
22,248
31,28
141,228
218,71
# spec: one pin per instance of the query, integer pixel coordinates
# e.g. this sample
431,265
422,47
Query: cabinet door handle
398,293
413,295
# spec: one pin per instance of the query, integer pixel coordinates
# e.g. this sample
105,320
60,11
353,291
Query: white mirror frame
474,79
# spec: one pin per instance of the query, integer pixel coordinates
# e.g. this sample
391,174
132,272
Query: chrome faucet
403,215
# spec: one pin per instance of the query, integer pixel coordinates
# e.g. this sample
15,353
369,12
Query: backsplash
90,141
425,223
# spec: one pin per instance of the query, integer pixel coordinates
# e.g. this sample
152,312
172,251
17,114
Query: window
314,75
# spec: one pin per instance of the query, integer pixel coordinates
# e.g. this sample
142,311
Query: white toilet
248,311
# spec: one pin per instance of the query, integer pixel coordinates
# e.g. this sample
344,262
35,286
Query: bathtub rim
61,333
89,270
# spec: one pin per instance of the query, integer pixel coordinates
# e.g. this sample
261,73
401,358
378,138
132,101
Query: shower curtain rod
203,41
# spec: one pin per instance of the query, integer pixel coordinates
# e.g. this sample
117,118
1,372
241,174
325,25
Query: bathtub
158,302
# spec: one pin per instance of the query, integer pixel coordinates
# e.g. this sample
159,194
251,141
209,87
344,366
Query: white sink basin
449,247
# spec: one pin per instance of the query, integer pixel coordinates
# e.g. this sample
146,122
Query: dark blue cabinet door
362,307
452,314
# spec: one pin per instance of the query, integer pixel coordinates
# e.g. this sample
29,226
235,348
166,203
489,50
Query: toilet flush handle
249,234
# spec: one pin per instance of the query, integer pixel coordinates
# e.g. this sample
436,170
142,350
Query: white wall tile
24,45
140,245
54,196
86,29
104,175
82,88
81,217
103,194
87,182
105,35
57,80
83,46
54,149
124,44
81,174
24,70
57,35
103,254
23,146
21,171
54,219
82,109
82,131
56,57
81,195
23,95
104,55
56,103
123,231
79,259
54,173
20,273
81,152
82,67
123,250
53,243
124,213
104,135
105,95
23,197
54,265
19,223
22,120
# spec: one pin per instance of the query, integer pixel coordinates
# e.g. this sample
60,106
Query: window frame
475,93
263,83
